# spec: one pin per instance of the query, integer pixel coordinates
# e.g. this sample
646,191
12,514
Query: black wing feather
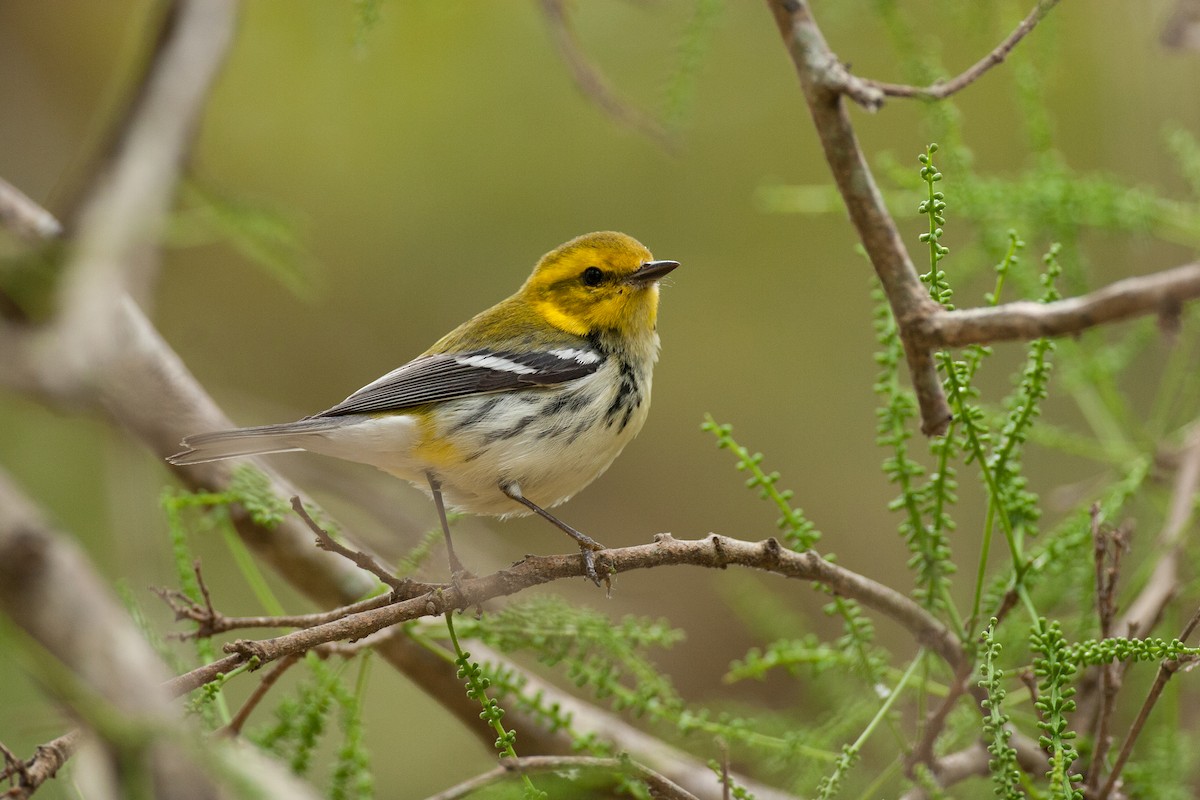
446,376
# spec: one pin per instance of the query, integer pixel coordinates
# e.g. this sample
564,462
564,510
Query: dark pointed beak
651,271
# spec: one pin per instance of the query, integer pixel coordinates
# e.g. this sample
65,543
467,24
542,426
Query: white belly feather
550,442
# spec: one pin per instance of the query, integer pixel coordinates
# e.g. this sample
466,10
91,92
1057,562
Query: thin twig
13,766
592,82
1165,670
923,752
24,217
1107,547
659,786
943,89
400,586
234,728
184,608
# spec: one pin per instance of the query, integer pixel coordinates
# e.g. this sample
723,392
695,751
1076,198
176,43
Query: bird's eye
592,276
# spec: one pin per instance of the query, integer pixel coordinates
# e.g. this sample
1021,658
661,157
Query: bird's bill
651,271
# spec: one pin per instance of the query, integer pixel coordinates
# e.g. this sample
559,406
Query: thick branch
825,80
97,662
114,242
943,89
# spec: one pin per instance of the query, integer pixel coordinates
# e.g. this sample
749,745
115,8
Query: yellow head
598,282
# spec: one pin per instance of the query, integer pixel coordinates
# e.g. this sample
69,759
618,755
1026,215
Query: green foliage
1006,776
934,207
1051,571
352,778
492,713
798,532
1165,768
842,682
251,488
264,237
1055,671
693,49
801,534
593,652
796,656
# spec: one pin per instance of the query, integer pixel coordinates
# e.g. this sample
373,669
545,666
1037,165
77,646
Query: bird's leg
587,545
456,567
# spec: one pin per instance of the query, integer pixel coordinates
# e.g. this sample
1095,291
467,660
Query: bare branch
923,752
943,89
1108,545
973,761
214,623
1159,293
715,551
45,764
825,80
660,786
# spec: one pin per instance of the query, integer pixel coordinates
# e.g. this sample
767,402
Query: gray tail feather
254,441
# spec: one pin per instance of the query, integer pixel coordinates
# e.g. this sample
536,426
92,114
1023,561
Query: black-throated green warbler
515,410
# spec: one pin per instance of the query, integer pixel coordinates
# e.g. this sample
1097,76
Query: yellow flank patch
434,450
562,320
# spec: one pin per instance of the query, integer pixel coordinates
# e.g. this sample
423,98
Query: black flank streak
511,432
628,413
476,417
628,394
579,429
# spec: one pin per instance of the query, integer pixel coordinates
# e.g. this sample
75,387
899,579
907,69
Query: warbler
515,410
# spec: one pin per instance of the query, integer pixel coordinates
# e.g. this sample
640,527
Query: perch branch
714,551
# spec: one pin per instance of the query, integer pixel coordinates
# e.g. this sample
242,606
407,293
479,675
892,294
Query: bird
514,411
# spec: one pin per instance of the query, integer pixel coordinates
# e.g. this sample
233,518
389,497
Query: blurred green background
426,162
